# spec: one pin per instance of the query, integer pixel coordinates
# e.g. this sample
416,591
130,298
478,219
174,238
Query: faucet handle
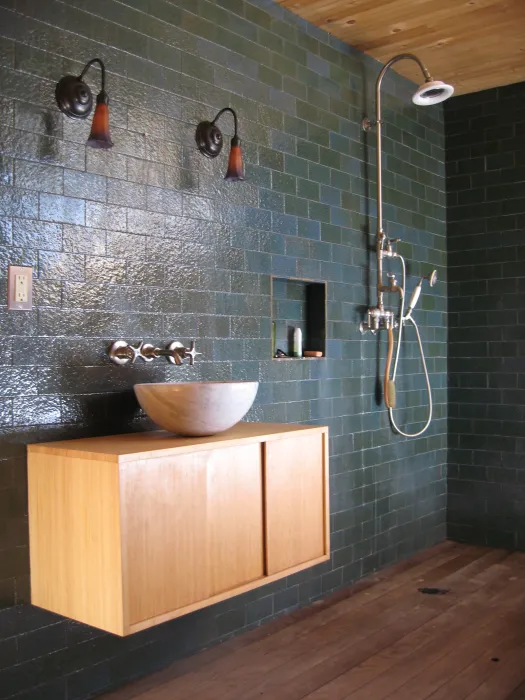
123,353
191,353
390,243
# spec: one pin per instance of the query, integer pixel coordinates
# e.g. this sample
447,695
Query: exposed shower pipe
431,92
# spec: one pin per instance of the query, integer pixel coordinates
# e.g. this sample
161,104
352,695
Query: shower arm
367,125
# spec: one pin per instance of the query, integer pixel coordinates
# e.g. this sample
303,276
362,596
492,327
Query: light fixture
209,142
75,100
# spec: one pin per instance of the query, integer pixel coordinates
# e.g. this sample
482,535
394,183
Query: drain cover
433,591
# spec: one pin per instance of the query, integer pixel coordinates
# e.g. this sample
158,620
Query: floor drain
433,591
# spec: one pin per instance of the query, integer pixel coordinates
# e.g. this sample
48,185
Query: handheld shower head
432,92
415,296
432,279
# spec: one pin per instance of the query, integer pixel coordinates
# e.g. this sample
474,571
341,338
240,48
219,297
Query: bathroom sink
196,409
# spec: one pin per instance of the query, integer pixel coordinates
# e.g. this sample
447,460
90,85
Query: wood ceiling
472,44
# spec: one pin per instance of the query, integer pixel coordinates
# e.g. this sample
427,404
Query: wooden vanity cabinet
132,530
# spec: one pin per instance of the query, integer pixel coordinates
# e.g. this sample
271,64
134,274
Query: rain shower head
433,278
432,92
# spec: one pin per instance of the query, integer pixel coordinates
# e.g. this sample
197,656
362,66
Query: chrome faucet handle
191,353
122,353
177,353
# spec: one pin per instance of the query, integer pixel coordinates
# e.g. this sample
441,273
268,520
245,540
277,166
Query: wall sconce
75,99
209,141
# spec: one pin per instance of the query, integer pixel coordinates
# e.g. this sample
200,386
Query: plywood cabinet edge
130,447
326,499
77,530
75,539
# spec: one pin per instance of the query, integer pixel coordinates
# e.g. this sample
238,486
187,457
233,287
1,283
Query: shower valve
392,280
378,319
390,252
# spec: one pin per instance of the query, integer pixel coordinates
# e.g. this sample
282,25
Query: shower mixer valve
378,319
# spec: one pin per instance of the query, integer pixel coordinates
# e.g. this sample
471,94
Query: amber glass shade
235,167
99,136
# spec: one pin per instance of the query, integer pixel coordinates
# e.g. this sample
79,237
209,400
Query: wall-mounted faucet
122,353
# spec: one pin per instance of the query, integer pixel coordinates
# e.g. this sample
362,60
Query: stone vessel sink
195,409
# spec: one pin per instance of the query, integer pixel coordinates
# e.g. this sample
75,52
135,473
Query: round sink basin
195,409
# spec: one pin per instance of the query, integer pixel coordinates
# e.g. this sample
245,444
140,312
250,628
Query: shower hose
389,388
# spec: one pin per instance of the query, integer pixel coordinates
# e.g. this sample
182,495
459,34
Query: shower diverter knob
389,249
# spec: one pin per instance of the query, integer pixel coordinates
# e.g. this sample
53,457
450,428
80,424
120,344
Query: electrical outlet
19,288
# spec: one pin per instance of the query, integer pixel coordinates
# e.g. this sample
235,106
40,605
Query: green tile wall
486,217
147,242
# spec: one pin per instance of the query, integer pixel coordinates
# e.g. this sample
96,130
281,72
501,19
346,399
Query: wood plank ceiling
472,44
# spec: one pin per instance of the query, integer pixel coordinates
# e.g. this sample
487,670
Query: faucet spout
174,353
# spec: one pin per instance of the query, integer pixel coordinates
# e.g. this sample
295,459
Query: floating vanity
129,531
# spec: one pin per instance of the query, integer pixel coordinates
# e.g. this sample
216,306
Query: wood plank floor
379,639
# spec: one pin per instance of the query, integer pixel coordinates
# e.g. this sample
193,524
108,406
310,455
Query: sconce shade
235,170
99,136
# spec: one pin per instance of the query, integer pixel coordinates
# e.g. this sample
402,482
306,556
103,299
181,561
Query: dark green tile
307,150
308,189
296,206
270,77
284,183
271,159
296,166
319,212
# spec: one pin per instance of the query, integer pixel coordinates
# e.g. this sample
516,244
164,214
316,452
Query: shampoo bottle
298,342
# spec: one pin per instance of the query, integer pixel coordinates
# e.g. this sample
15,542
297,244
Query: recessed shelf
298,303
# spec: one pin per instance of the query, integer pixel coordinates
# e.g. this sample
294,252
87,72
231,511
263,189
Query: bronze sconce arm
210,141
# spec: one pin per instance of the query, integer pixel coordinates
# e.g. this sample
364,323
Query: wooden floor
381,638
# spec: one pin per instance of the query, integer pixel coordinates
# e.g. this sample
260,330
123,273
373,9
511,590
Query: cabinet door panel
235,537
295,495
192,527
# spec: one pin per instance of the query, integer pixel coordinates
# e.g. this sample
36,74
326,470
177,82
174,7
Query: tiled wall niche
300,304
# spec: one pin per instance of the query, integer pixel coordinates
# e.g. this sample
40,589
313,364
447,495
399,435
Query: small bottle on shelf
298,342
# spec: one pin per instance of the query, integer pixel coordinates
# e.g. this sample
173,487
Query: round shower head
432,92
433,278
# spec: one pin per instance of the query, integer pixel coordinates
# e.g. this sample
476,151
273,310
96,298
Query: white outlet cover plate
13,272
